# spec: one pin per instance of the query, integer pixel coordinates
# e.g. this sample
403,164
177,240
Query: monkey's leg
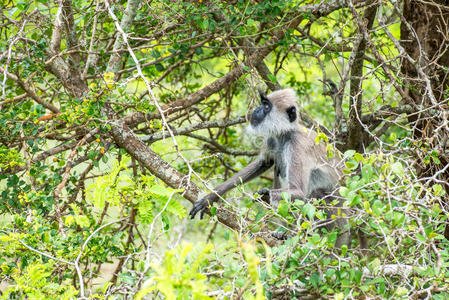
251,171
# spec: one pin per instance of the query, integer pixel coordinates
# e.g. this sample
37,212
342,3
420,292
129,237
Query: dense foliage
116,115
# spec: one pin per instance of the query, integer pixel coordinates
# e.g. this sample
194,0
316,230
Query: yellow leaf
5,238
69,220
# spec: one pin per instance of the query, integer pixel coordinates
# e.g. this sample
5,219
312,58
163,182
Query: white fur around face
274,124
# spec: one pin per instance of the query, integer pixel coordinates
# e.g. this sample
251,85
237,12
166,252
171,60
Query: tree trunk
424,36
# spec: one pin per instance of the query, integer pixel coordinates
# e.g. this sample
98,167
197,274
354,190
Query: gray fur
320,180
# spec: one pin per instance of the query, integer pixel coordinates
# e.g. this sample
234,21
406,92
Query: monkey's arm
251,171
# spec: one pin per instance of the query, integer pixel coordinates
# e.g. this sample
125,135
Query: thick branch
67,74
56,35
126,139
355,129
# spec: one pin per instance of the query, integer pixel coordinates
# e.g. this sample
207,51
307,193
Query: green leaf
155,53
398,218
283,208
354,199
159,67
351,164
315,279
285,196
397,169
272,78
205,24
421,238
349,154
330,273
344,191
260,214
339,296
401,291
431,235
367,172
331,239
437,190
377,207
357,276
161,191
358,157
127,278
82,221
309,210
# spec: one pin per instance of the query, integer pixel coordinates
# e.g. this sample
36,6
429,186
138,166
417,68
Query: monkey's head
277,114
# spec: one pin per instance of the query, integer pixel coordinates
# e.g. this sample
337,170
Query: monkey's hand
264,195
201,206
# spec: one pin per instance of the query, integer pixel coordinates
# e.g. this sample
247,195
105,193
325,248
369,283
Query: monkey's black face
259,113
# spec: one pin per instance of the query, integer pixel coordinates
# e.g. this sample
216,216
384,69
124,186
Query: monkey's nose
257,116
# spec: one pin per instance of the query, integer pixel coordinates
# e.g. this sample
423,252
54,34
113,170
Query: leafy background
96,184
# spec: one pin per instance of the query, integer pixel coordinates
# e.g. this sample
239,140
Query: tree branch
114,63
194,127
355,128
30,92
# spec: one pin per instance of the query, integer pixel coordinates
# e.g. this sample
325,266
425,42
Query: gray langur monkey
301,166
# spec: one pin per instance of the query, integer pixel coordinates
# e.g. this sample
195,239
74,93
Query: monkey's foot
280,235
265,195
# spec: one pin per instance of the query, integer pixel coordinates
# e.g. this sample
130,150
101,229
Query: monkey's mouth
253,122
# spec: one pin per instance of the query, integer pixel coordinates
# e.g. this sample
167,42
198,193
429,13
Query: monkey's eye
266,105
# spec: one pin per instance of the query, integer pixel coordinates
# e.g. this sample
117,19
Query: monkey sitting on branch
301,166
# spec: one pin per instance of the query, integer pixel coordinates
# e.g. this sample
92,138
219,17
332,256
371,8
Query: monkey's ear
291,112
